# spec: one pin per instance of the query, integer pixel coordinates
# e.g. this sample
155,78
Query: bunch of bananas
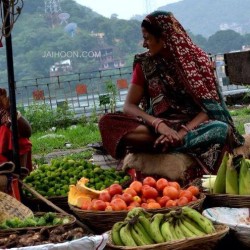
141,228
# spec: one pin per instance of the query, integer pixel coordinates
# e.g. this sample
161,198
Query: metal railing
83,91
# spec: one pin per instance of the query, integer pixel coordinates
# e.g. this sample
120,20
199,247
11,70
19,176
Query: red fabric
138,76
192,64
6,146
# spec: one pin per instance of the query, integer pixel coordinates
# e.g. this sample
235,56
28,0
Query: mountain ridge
205,17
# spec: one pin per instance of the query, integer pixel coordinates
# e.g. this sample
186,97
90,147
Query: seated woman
173,103
24,132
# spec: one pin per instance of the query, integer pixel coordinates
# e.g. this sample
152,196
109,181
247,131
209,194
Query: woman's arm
200,118
131,105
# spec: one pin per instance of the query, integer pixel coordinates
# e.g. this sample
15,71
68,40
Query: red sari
6,144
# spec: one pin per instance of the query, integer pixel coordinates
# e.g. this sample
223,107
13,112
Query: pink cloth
6,146
138,76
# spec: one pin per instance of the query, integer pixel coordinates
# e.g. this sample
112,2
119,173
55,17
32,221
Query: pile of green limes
54,179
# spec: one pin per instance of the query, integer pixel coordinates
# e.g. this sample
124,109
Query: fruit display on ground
54,179
142,228
149,194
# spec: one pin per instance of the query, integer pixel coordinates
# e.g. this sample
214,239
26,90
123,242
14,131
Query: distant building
60,68
107,60
99,34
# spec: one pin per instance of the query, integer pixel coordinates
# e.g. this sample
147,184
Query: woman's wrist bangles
156,122
186,128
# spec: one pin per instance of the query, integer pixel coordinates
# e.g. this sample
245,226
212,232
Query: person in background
173,103
24,132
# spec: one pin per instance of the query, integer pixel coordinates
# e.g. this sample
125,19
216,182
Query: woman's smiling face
153,44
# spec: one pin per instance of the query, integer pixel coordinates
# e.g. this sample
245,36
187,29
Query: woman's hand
168,137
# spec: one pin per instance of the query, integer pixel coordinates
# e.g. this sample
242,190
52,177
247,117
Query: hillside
205,17
40,39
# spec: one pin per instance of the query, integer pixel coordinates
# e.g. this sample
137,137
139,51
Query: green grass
79,137
240,117
83,135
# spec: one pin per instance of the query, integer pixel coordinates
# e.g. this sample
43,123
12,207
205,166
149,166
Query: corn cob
232,183
220,181
244,177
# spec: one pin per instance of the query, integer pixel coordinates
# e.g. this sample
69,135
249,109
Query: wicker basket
227,200
38,205
71,222
102,221
206,242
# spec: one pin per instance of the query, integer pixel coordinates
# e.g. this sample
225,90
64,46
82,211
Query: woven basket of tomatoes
101,210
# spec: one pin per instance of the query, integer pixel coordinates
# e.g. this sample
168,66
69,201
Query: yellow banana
126,236
155,232
206,225
115,233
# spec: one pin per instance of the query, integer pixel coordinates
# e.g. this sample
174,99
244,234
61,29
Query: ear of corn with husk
232,180
244,177
220,181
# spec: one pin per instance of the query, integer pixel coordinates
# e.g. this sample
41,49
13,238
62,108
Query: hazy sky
125,9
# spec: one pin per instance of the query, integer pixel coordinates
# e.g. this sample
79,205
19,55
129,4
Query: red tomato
118,204
137,186
115,189
130,191
163,200
153,205
182,201
105,196
99,205
109,208
161,184
186,194
149,181
171,192
150,192
171,203
135,204
86,204
174,184
128,198
144,205
194,190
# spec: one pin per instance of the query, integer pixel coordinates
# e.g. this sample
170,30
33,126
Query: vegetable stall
77,204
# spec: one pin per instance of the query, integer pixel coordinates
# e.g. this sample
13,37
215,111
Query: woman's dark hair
152,29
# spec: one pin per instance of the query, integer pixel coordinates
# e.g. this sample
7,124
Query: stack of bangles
186,128
155,123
